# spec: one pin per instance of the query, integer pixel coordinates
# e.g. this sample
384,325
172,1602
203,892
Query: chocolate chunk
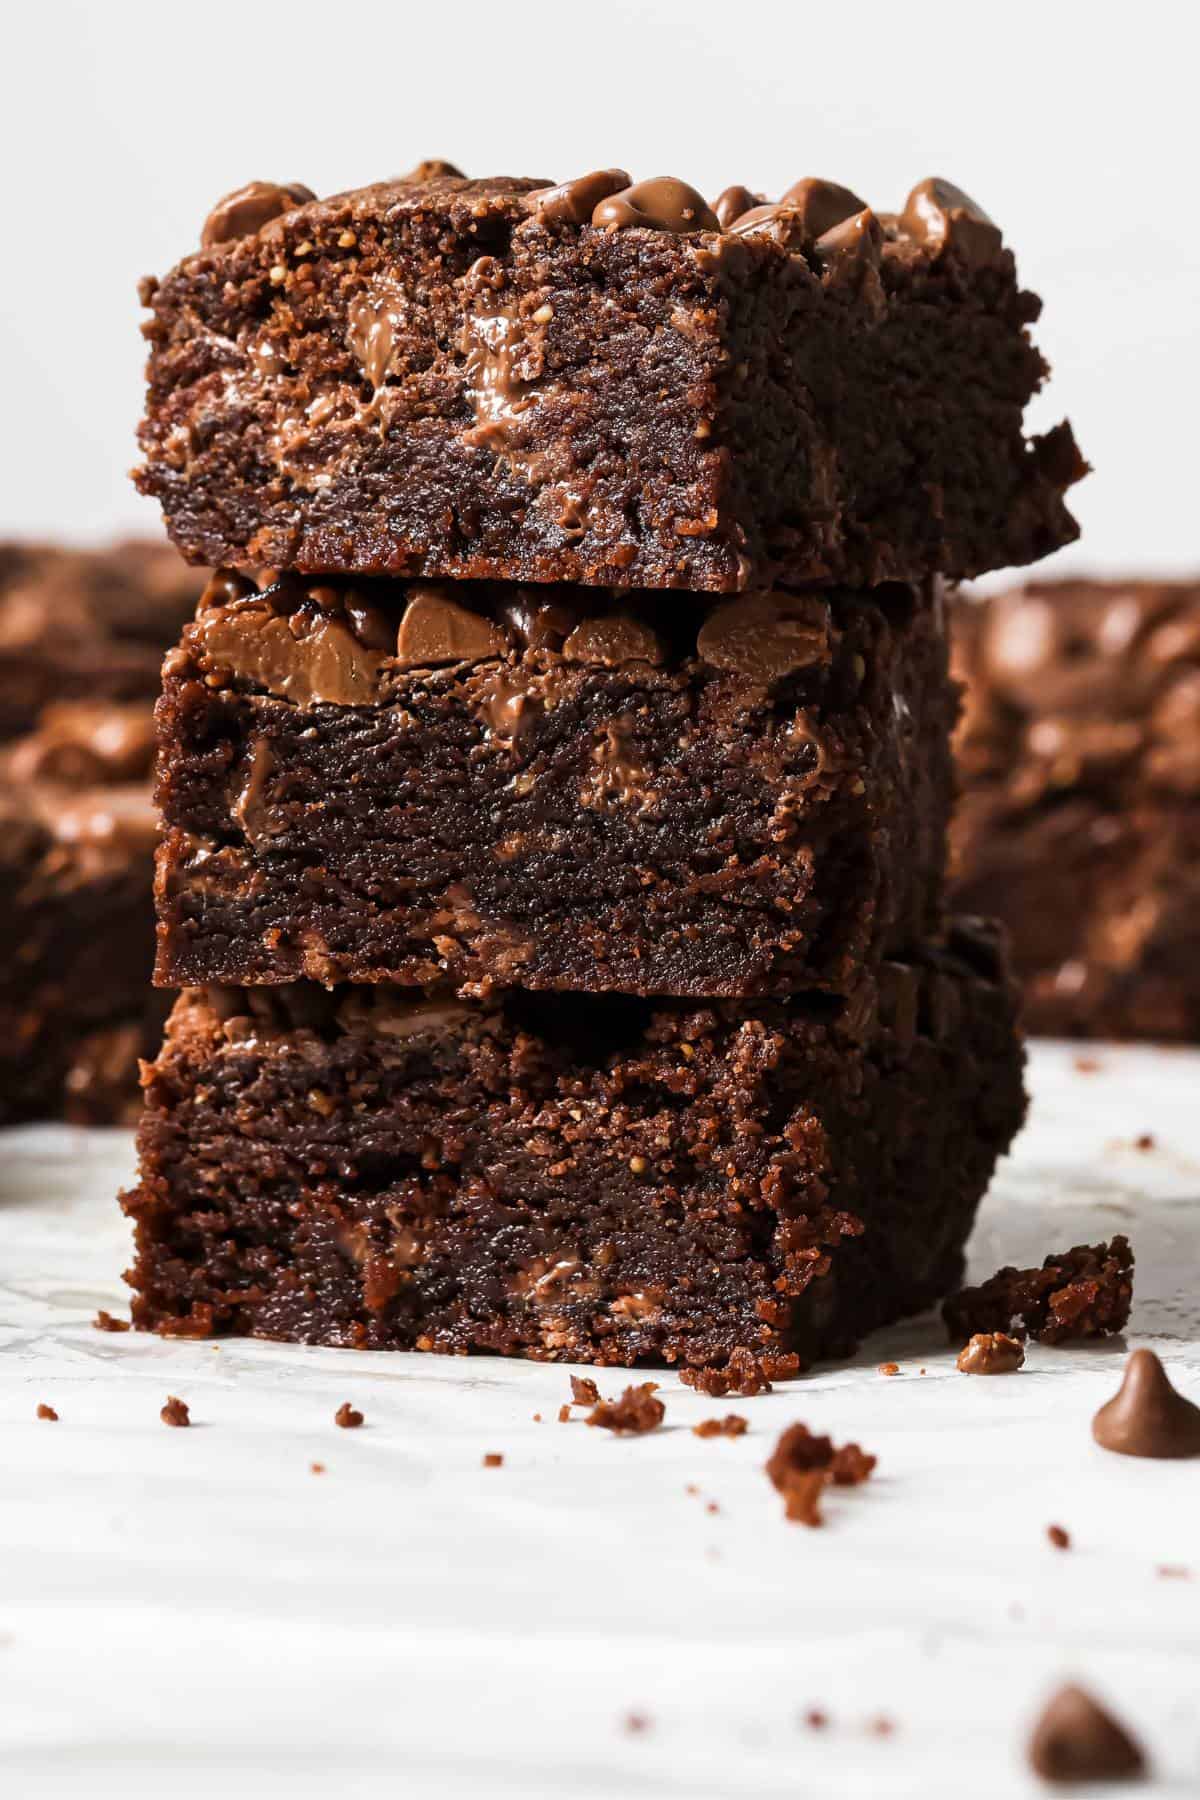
433,169
856,242
247,209
541,620
611,639
661,204
732,203
782,224
942,217
991,1353
307,660
1077,1740
1147,1416
436,629
821,204
766,636
574,202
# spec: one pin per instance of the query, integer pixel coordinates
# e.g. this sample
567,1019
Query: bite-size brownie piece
495,785
77,834
86,624
1079,825
600,383
587,1177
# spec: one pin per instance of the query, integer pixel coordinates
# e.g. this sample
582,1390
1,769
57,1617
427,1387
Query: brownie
86,624
77,835
600,383
497,785
1080,820
592,1178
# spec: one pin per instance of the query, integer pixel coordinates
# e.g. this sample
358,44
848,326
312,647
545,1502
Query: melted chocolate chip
436,629
1147,1416
857,241
611,639
247,209
766,636
661,204
574,202
732,203
304,658
1077,1740
782,224
940,216
821,204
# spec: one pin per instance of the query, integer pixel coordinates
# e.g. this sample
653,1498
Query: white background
1075,126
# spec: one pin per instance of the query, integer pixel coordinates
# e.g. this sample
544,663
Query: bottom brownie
77,833
575,1178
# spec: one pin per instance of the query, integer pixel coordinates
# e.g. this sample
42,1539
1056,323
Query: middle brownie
503,785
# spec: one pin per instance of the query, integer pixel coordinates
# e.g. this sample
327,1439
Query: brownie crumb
46,1412
881,1726
493,1460
815,1719
1174,1572
1060,1538
1078,1293
104,1321
1145,1141
991,1353
802,1465
317,1468
1087,1065
584,1391
636,1722
537,1418
175,1412
348,1417
636,1411
732,1425
744,1375
889,1368
564,1413
711,1507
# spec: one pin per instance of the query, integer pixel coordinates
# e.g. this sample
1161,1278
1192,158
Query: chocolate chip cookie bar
77,834
86,624
491,785
600,382
1080,820
580,1178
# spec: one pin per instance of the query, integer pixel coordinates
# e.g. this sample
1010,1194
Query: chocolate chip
821,204
732,203
247,209
782,224
942,217
856,242
1077,1740
436,629
371,624
661,204
574,202
612,639
991,1353
538,620
433,169
299,658
766,636
1147,1416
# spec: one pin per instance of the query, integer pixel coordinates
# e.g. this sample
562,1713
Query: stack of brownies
556,776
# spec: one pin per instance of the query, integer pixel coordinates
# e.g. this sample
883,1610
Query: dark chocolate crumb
637,1411
731,1426
175,1412
493,1460
348,1417
104,1321
1079,1293
1058,1537
46,1412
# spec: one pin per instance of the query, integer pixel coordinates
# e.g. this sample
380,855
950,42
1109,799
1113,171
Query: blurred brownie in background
86,624
82,636
1079,823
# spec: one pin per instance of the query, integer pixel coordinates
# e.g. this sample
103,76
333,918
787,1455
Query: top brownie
600,383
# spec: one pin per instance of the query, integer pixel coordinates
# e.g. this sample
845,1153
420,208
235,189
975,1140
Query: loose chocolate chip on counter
1147,1416
612,639
175,1412
941,216
991,1353
661,204
247,209
574,202
347,1416
732,203
766,636
436,629
821,204
1077,1740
